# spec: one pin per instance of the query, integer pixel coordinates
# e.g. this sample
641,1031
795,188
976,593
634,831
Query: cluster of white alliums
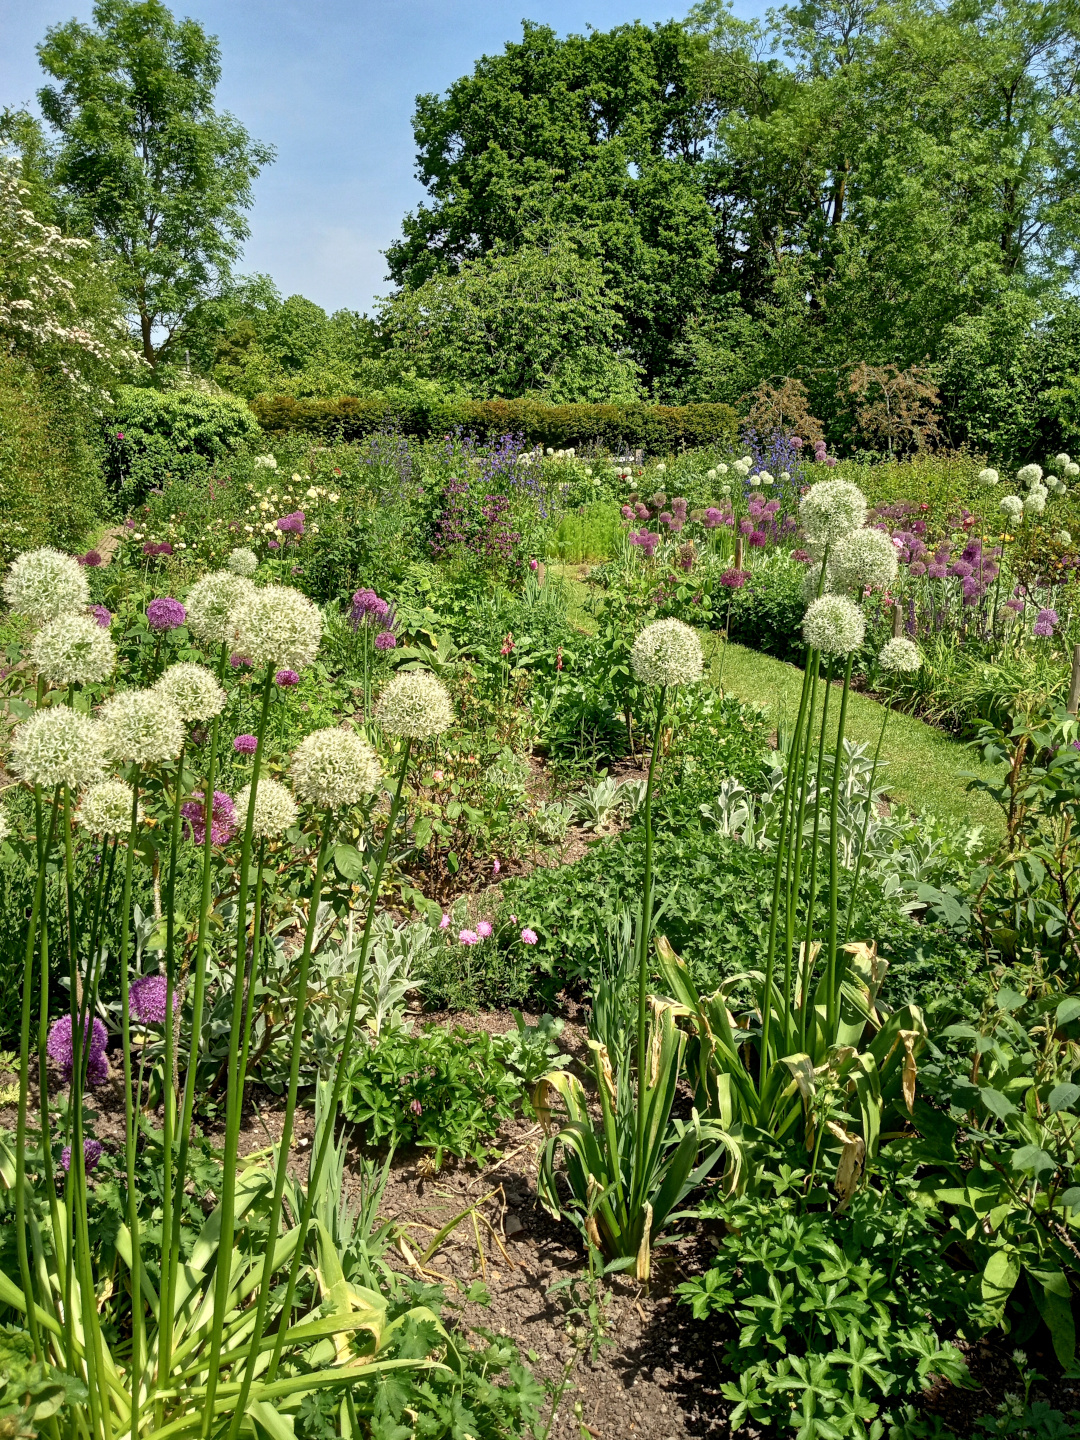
73,650
988,477
211,602
862,559
1013,507
667,653
141,727
275,809
105,809
192,690
834,625
59,746
829,511
415,705
277,626
242,561
332,768
901,655
45,584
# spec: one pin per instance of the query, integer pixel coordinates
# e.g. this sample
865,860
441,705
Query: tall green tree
145,162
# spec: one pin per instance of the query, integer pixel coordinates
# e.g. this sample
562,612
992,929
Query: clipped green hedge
657,429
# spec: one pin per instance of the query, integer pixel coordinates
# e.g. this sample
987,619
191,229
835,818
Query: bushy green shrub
50,482
151,434
767,612
658,429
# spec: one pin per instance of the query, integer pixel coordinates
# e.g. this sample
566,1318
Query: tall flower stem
138,1330
340,1075
646,933
253,969
833,979
865,827
235,1097
812,896
813,666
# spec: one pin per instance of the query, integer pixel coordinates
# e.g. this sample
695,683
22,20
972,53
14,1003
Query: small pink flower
416,1107
534,565
495,866
513,919
468,937
437,776
528,937
484,929
444,923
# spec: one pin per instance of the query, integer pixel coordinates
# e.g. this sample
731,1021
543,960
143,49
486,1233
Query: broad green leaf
1053,1300
1033,1160
999,1277
1067,1010
1008,999
996,1102
1063,1097
348,862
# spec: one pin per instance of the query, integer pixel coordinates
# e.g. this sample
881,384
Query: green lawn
923,763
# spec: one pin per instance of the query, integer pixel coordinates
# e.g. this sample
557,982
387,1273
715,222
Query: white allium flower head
45,584
811,580
830,510
105,809
1029,474
275,808
1072,469
1061,461
864,558
193,690
1013,507
277,626
59,746
834,625
988,477
242,561
900,654
334,767
73,649
211,602
141,727
415,704
667,652
1035,501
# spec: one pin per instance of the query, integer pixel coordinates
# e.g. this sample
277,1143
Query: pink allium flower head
59,1047
483,929
292,524
627,512
796,442
1045,623
917,569
528,937
92,1151
165,614
286,678
223,824
101,615
92,559
713,518
642,510
759,539
734,579
239,662
273,545
468,937
385,640
746,527
148,999
245,744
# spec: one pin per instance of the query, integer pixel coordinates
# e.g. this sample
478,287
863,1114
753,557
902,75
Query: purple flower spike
148,999
245,744
101,615
223,824
91,1150
286,678
165,614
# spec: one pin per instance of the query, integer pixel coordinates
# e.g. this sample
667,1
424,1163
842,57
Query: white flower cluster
743,465
277,626
332,768
45,584
275,809
242,561
1029,474
901,655
264,462
667,652
415,704
5,828
59,746
211,602
830,510
192,690
73,649
1013,507
1035,500
1063,537
834,625
141,727
105,809
865,558
988,477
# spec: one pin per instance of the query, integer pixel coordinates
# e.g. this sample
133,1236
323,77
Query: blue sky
332,85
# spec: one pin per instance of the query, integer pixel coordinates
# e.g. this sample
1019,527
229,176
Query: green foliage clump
154,434
766,613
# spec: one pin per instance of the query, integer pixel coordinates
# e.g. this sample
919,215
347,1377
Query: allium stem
865,827
833,978
138,1333
643,938
813,668
807,1007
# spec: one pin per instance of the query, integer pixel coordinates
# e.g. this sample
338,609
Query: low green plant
444,1090
530,1051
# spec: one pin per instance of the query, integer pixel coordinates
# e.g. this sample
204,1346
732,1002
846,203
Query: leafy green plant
532,1050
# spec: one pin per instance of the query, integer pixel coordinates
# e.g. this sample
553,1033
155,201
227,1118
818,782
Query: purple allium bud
92,1151
286,678
385,640
148,998
292,524
245,744
1045,623
223,824
101,615
165,614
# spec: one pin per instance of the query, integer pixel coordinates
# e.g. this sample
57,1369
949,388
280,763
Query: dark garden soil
658,1371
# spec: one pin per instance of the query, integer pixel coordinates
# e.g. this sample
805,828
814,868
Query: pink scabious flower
148,999
484,929
92,1151
495,866
468,937
529,937
223,824
444,923
245,744
286,678
513,919
60,1047
292,524
385,640
101,615
734,579
165,614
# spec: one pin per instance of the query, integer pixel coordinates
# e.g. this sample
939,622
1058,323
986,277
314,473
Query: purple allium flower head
918,569
385,640
165,614
91,1150
273,545
292,524
92,559
746,527
713,518
960,569
642,510
101,615
223,824
239,662
627,512
286,678
1045,623
1015,605
148,998
830,460
59,1047
936,571
801,555
759,539
245,744
796,442
734,579
665,517
129,523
